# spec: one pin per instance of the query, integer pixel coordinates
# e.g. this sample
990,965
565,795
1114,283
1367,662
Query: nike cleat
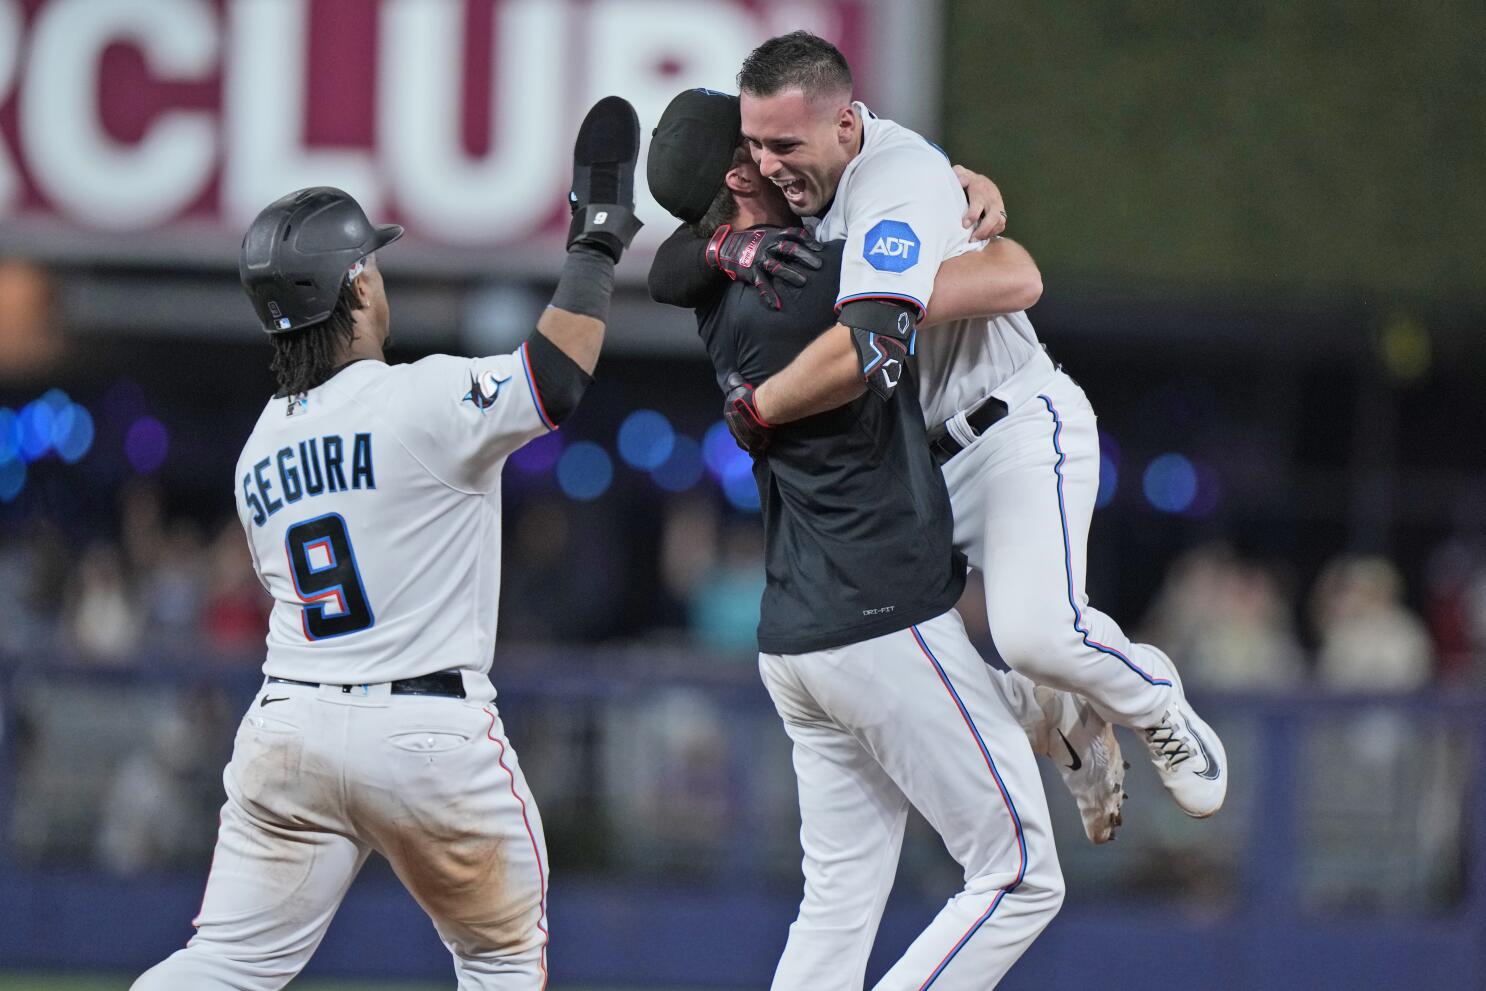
1084,747
1188,755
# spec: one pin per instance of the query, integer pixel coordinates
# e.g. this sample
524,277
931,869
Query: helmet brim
386,234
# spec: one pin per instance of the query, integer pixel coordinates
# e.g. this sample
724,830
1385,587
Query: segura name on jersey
314,466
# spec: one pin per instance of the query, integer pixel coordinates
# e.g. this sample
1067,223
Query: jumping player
883,696
1015,435
370,495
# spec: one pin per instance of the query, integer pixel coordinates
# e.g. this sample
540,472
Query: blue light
146,444
12,478
35,433
539,456
719,450
72,433
10,437
1170,483
1109,481
584,471
683,468
646,439
739,487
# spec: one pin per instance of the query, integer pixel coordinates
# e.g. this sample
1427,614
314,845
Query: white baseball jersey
373,511
899,207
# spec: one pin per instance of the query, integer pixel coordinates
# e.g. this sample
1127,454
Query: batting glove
765,257
740,412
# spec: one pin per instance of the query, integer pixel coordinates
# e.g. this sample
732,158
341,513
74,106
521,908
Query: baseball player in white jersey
370,495
1015,435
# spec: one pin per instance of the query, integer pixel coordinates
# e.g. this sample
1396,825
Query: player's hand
740,412
985,216
765,257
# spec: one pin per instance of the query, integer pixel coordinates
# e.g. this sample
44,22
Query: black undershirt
857,523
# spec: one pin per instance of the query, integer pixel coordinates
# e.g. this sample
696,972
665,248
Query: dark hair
798,60
724,208
304,358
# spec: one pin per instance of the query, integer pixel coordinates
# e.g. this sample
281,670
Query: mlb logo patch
891,246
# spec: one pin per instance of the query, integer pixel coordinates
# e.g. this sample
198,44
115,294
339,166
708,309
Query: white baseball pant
321,779
911,717
1023,495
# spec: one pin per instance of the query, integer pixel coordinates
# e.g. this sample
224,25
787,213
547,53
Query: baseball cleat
1188,755
1084,747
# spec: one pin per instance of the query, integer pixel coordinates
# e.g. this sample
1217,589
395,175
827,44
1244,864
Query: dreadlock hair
304,358
724,208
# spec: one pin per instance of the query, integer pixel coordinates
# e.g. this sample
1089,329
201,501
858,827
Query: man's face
801,145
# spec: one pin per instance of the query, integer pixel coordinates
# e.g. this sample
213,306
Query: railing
1352,851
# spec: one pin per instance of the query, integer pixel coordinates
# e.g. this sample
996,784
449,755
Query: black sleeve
559,381
679,274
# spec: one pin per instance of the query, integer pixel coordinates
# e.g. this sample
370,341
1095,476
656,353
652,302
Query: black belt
942,443
446,684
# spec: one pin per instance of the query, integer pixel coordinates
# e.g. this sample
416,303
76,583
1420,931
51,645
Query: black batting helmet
297,253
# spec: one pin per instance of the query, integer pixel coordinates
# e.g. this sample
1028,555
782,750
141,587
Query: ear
741,181
846,123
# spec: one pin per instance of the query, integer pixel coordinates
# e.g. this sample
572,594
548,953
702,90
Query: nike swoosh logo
1075,762
1211,772
266,700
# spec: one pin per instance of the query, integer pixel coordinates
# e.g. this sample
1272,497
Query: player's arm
999,278
690,269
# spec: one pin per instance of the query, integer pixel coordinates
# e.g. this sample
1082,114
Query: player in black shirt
882,694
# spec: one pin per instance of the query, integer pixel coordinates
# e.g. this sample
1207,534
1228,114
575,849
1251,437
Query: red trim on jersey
536,397
535,849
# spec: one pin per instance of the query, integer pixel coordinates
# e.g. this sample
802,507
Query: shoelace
1165,745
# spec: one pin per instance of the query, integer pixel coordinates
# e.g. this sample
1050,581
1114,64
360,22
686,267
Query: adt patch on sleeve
891,246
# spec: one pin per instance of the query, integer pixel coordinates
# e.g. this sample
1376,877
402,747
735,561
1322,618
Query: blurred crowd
167,586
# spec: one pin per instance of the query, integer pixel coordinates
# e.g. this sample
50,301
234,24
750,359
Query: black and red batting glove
765,257
740,412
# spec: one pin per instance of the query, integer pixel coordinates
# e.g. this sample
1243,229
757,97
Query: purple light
538,457
146,444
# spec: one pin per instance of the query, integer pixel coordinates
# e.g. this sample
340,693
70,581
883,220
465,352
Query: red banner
182,118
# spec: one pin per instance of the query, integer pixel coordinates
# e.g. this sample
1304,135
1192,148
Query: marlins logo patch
484,389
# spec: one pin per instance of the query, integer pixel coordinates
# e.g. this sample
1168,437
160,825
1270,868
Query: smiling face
801,144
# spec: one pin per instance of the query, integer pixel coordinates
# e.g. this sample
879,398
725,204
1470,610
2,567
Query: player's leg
851,831
449,807
1066,730
1033,479
274,884
924,705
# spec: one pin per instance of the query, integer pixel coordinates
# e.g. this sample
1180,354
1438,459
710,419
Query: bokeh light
683,468
646,439
10,438
539,456
72,433
1109,481
35,433
146,444
1170,483
584,471
719,450
1109,471
12,478
739,487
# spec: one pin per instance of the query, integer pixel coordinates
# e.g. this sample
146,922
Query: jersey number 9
326,578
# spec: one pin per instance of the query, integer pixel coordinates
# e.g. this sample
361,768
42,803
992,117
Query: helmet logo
273,310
